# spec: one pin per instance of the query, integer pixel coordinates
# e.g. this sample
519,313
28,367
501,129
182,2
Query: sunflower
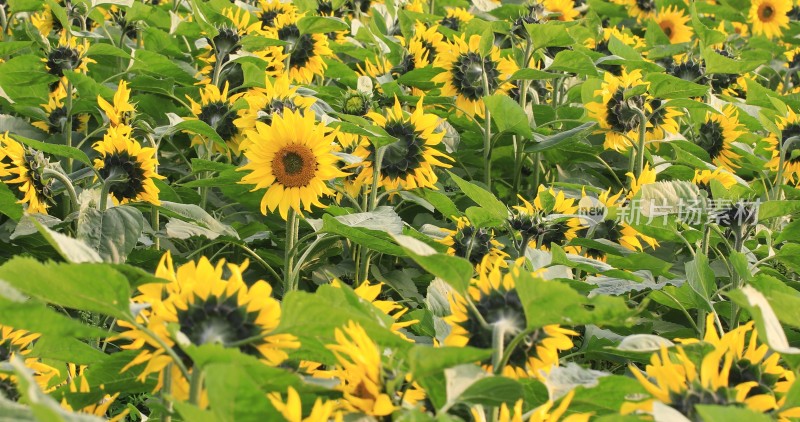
292,408
121,112
673,22
718,134
647,177
292,159
217,110
18,343
564,10
790,128
754,367
359,371
45,21
675,380
616,115
273,99
430,42
123,157
662,121
57,114
616,230
543,413
639,9
470,242
456,18
469,77
769,17
494,297
68,55
306,52
269,12
547,222
353,150
408,163
208,307
25,167
219,48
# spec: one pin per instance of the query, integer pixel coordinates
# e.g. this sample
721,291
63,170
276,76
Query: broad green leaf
771,209
9,206
509,115
668,87
72,250
700,276
566,306
420,78
456,271
573,62
544,143
549,34
89,287
769,327
66,349
428,361
785,301
113,233
717,63
197,127
321,24
711,413
481,196
379,241
198,216
18,128
533,74
55,149
157,65
37,318
492,391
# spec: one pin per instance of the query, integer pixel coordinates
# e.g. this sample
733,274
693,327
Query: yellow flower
456,18
24,165
57,113
565,9
18,343
77,383
543,223
269,12
370,293
790,128
717,135
123,156
68,55
273,99
474,244
467,75
359,372
292,159
542,413
216,109
769,17
306,52
495,297
120,112
617,116
639,9
292,409
208,307
647,177
703,178
616,230
408,163
673,22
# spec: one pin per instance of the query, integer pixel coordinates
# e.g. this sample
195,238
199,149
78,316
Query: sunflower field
399,210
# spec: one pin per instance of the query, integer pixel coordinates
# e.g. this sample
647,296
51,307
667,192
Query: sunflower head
68,55
292,159
456,18
689,70
25,167
673,22
770,17
617,115
717,134
472,243
57,114
131,167
703,178
356,103
306,52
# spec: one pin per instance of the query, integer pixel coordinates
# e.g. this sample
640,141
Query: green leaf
379,241
427,361
321,24
772,209
790,232
544,143
440,201
509,115
574,62
38,318
72,250
66,349
55,149
89,287
566,306
492,391
420,78
481,196
198,216
785,301
701,277
455,271
717,63
711,413
113,233
769,327
18,127
706,35
549,34
533,75
157,65
197,127
8,203
668,86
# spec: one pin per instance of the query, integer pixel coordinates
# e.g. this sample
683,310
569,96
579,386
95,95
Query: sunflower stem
512,345
364,260
64,179
288,258
487,140
165,392
68,123
113,179
163,344
642,135
196,386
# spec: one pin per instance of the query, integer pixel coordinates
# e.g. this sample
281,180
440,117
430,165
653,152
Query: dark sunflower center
666,26
219,320
659,114
8,389
711,138
555,233
122,163
622,116
63,58
744,371
646,5
294,166
766,12
226,43
219,116
430,49
404,156
406,65
469,71
502,306
5,351
686,401
301,47
689,71
607,229
792,131
451,22
268,18
58,118
472,243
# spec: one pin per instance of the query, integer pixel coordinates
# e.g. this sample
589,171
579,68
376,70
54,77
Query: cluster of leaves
516,206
